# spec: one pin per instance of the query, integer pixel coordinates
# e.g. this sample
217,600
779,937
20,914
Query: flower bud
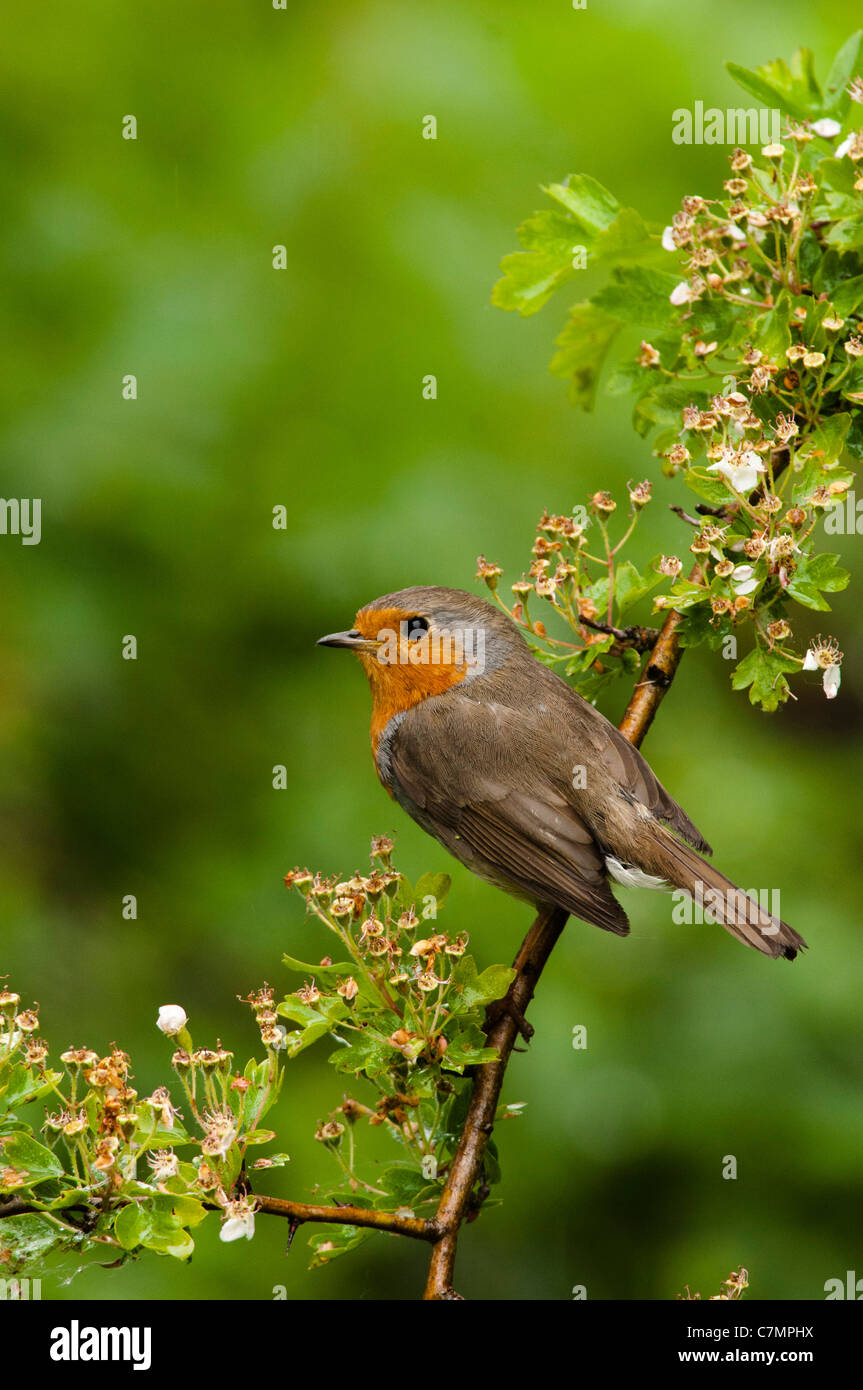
172,1019
488,572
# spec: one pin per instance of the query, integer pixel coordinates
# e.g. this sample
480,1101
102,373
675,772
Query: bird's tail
739,913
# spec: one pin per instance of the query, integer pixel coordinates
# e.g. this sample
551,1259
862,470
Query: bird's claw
508,1007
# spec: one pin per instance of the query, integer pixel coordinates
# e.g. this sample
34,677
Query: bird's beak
353,640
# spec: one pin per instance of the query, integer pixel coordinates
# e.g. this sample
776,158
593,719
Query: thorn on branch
640,639
684,516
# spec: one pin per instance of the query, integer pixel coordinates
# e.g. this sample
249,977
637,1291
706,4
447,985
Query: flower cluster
588,592
732,1288
111,1168
404,1002
749,384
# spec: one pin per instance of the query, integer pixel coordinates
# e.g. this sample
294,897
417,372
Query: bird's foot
507,1007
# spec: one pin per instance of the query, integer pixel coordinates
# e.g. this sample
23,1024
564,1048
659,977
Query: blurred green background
303,388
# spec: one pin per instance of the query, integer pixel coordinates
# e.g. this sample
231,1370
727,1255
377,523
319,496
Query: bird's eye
417,626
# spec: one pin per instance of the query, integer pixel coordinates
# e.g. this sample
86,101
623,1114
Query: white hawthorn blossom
824,655
826,127
239,1220
831,682
682,293
172,1019
740,470
744,579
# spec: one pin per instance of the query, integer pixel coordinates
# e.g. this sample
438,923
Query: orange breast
397,688
400,682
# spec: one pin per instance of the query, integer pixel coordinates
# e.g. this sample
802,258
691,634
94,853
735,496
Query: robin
519,777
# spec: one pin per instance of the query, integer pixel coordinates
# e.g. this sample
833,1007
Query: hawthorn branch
488,1080
397,1223
657,676
297,1213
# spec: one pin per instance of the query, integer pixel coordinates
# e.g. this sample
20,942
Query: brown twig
693,520
467,1164
640,639
656,677
398,1223
298,1213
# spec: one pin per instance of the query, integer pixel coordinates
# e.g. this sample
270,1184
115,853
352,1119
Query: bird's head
420,642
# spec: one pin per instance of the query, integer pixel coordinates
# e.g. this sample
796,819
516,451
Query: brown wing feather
464,771
621,759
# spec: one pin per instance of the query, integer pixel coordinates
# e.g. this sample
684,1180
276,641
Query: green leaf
627,238
30,1237
297,1042
849,296
685,594
638,294
630,586
696,628
773,331
298,1012
763,673
151,1133
711,489
470,990
158,1225
328,1244
324,972
846,234
129,1225
661,406
271,1161
593,207
467,1048
845,65
581,662
795,89
24,1085
854,441
816,574
167,1238
835,270
405,1184
432,886
823,446
626,378
329,975
365,1053
22,1152
188,1211
530,278
583,346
